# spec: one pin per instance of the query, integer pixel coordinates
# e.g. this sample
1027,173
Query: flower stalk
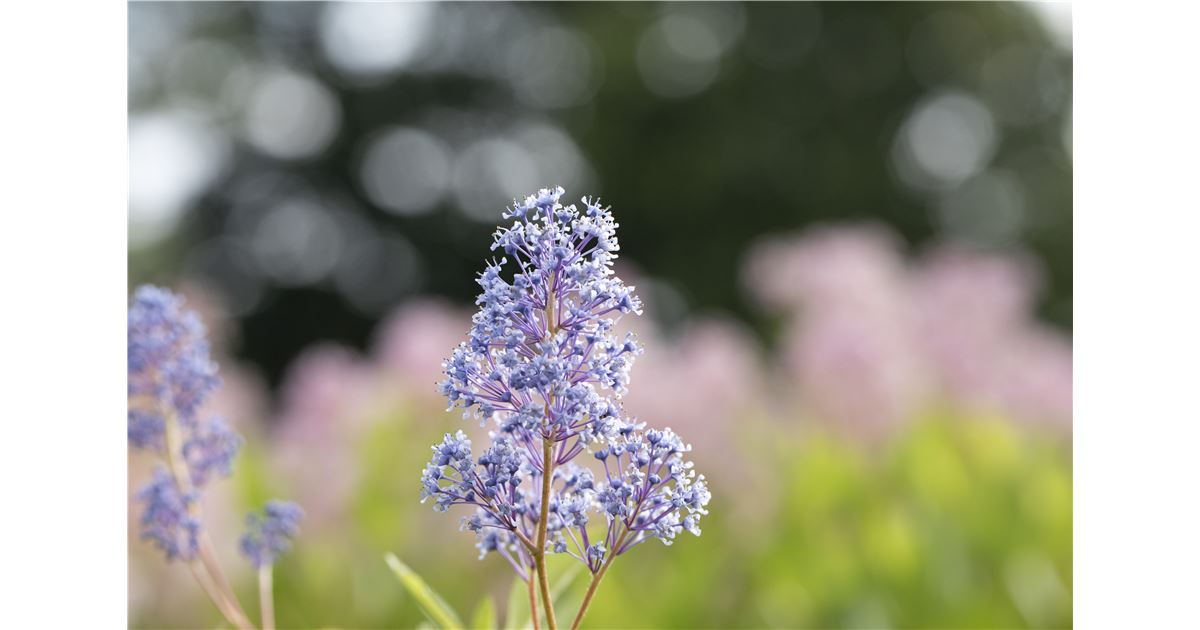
543,518
207,572
266,597
533,607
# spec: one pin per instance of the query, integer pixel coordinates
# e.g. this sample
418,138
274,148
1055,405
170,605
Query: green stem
543,518
533,611
219,590
210,589
587,598
539,554
266,597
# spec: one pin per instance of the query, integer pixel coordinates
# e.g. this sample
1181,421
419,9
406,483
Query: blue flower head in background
543,365
171,376
270,535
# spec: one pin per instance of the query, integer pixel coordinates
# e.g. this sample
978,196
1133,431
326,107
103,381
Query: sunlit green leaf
434,607
484,617
517,617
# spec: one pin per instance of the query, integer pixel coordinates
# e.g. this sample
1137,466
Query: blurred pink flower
331,395
412,343
968,306
857,372
1035,379
828,267
702,381
976,325
848,348
870,338
324,405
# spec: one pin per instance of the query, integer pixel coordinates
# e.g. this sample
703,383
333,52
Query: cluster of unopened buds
171,376
543,366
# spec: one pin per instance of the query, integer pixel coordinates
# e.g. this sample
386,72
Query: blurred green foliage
957,522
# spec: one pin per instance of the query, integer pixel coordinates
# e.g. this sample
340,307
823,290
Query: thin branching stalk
543,519
533,607
216,586
266,597
210,589
547,473
595,583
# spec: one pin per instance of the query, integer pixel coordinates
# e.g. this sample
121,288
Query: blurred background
850,223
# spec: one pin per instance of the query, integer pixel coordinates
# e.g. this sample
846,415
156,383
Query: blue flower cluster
169,364
270,535
543,365
168,520
171,376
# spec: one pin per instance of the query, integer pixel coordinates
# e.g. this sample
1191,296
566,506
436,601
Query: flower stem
266,597
216,587
587,598
543,518
539,554
533,609
210,589
209,559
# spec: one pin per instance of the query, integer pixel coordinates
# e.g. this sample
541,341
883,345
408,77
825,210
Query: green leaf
484,617
434,607
517,617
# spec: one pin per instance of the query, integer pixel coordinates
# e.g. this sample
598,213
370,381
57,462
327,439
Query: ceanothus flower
168,520
541,347
543,365
171,376
270,535
209,450
649,490
169,361
509,526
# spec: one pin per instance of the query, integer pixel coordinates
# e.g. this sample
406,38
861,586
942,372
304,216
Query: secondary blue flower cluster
168,363
270,535
171,376
168,521
542,364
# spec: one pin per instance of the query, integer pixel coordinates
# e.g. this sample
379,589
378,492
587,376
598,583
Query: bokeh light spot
290,115
406,171
949,137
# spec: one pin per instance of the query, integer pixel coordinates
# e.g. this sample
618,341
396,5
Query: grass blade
434,607
484,617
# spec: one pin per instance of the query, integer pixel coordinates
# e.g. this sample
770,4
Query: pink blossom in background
870,338
324,406
701,382
847,350
407,355
856,372
414,340
1035,380
968,306
829,267
707,382
977,327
